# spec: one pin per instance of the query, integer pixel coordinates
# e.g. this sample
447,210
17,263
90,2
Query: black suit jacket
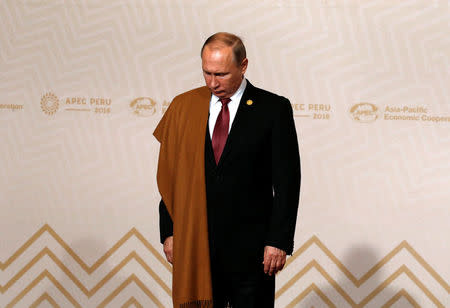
253,192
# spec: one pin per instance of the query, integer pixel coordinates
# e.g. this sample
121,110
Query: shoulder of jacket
270,97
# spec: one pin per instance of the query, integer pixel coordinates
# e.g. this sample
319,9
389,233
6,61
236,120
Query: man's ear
244,65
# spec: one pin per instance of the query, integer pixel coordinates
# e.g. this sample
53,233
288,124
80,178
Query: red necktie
220,133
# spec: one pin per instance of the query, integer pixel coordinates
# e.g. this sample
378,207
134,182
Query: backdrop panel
84,83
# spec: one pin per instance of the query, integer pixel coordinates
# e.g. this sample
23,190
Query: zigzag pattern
359,283
35,272
86,292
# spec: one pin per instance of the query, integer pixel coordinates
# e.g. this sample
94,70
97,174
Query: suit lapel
240,121
209,152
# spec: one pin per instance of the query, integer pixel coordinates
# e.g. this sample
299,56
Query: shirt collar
236,94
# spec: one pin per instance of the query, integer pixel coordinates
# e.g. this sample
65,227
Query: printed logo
49,103
364,112
143,106
313,111
367,113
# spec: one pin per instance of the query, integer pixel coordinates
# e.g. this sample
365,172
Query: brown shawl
181,182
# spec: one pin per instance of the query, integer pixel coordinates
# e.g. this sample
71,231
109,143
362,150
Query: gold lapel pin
249,102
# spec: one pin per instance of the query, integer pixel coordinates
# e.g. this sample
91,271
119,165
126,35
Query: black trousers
242,290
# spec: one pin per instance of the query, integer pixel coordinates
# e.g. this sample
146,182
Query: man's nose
213,82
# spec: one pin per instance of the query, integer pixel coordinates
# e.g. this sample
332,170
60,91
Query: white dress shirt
215,106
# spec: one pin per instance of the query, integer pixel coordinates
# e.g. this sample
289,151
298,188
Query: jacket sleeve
165,222
285,179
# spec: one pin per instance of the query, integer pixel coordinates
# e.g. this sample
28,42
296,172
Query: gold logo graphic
364,112
143,106
249,102
49,103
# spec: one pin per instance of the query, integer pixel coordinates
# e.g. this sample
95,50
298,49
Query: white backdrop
84,83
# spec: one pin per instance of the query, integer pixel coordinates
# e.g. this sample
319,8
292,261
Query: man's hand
168,249
274,260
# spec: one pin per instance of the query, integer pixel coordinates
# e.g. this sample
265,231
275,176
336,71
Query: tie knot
225,101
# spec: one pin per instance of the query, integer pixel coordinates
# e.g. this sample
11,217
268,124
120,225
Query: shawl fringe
198,304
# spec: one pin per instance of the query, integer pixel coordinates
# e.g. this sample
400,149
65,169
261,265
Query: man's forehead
215,49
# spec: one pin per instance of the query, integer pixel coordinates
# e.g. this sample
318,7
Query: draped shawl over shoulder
181,182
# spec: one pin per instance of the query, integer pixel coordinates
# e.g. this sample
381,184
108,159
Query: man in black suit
252,175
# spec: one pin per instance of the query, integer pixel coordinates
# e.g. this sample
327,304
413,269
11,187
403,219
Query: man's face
222,74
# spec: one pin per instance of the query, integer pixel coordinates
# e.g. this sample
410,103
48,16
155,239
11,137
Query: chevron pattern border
403,269
145,291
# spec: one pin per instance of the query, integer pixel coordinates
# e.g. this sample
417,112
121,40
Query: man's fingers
279,265
283,262
169,256
280,261
265,255
266,262
273,266
274,260
168,249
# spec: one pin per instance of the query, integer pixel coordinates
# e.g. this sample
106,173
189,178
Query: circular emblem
49,103
249,102
364,112
143,106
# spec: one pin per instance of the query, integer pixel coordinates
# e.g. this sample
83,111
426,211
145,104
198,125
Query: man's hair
220,39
